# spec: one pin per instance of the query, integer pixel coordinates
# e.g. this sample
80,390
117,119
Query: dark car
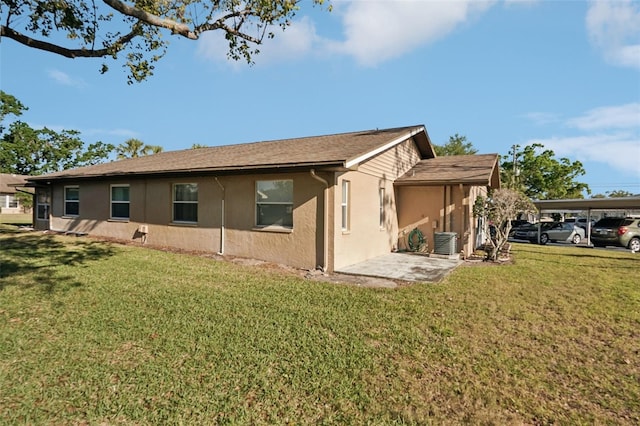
530,232
617,231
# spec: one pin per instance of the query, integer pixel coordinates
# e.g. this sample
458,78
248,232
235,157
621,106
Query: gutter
222,220
325,215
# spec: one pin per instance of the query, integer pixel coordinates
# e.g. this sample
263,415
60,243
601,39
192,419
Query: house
324,201
9,187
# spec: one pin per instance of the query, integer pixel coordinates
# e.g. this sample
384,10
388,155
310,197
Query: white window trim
345,206
255,210
111,202
71,201
174,201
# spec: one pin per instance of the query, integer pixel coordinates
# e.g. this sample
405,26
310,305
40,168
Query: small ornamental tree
499,209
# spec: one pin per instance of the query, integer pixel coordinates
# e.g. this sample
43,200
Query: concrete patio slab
403,266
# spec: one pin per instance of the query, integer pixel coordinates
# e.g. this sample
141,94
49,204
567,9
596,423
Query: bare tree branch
151,19
63,51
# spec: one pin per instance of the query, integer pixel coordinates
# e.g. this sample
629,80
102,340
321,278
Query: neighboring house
9,187
325,201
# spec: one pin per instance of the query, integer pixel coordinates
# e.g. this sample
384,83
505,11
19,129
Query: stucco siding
434,209
394,162
151,204
365,238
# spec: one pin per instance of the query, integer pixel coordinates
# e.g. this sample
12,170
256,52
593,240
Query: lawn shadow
39,255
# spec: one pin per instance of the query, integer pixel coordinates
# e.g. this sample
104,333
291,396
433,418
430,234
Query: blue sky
562,73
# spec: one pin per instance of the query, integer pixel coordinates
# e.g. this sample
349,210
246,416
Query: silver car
562,232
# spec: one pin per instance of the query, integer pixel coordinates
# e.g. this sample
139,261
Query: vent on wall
445,243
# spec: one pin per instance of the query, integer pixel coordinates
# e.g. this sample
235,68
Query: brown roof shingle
481,169
8,182
336,150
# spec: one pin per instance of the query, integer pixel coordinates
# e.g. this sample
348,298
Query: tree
619,193
28,151
198,145
25,199
457,145
9,105
536,172
499,209
111,28
132,148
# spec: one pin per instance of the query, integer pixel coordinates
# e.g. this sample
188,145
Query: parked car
530,232
582,223
518,225
617,231
562,232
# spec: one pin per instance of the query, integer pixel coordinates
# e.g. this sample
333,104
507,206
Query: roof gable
338,150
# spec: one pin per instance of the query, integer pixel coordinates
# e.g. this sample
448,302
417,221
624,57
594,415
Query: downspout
444,209
222,223
325,243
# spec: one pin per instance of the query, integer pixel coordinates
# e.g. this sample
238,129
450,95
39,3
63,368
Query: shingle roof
479,169
8,182
335,150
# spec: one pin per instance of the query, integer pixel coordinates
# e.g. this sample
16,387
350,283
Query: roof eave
193,171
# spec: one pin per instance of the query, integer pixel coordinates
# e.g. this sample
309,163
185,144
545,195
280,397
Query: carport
588,205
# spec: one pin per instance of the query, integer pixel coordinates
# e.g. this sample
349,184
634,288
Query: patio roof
480,169
624,203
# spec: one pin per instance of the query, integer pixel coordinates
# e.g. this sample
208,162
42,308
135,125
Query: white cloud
376,31
613,28
610,117
65,79
621,151
373,31
297,40
610,135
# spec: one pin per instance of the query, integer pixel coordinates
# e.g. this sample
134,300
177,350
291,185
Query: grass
94,333
16,219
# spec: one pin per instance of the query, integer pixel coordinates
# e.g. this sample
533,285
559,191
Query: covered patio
586,205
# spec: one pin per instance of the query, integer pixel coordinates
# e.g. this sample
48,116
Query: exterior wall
434,209
365,238
151,205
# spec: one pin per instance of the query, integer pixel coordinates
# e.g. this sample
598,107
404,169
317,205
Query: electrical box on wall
143,229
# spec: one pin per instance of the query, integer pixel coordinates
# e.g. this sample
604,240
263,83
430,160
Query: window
43,201
11,202
120,201
274,203
71,201
185,202
382,215
346,193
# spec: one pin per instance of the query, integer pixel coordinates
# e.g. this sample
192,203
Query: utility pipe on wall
325,243
221,217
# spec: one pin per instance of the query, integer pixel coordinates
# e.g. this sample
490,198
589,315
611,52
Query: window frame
345,206
174,201
112,202
258,203
68,201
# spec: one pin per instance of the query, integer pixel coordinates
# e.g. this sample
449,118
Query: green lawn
16,219
98,333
